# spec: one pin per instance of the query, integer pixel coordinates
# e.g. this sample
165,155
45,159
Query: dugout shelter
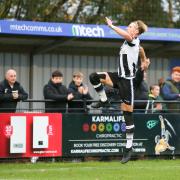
35,49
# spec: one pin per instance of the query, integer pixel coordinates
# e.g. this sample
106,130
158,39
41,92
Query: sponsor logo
50,130
8,131
107,119
80,30
87,151
151,124
104,127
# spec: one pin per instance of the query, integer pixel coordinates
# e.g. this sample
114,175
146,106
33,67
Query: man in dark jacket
56,91
80,92
11,92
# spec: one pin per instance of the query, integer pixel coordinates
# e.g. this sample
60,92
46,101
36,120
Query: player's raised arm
134,29
145,62
119,31
142,54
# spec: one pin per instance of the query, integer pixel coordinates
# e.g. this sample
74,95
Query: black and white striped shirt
128,60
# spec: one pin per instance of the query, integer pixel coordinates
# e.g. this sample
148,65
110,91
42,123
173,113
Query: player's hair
142,27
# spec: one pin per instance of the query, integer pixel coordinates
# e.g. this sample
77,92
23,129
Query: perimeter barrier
33,133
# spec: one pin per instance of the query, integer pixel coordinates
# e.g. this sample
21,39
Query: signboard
29,135
40,134
81,30
103,134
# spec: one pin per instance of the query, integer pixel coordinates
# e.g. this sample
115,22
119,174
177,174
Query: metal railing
86,108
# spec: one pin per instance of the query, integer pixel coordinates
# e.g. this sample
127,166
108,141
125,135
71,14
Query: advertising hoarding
81,30
97,135
30,134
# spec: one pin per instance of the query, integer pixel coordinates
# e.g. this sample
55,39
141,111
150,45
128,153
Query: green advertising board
104,134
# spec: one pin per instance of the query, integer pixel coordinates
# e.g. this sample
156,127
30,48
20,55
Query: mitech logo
80,30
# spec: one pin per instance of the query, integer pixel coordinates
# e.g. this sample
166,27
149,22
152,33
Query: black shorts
125,86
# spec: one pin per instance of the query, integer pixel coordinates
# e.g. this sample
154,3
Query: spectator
56,91
155,96
79,91
171,90
141,93
11,92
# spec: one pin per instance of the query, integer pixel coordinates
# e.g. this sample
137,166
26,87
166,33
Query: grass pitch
93,170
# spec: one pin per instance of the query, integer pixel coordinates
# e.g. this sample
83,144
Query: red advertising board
30,134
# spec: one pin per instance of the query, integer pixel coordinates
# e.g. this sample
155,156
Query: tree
5,6
150,12
93,12
176,4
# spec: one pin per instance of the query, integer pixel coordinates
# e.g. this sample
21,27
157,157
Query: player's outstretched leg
95,81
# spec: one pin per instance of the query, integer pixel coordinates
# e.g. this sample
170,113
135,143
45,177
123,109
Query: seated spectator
79,91
171,90
56,91
11,92
153,106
